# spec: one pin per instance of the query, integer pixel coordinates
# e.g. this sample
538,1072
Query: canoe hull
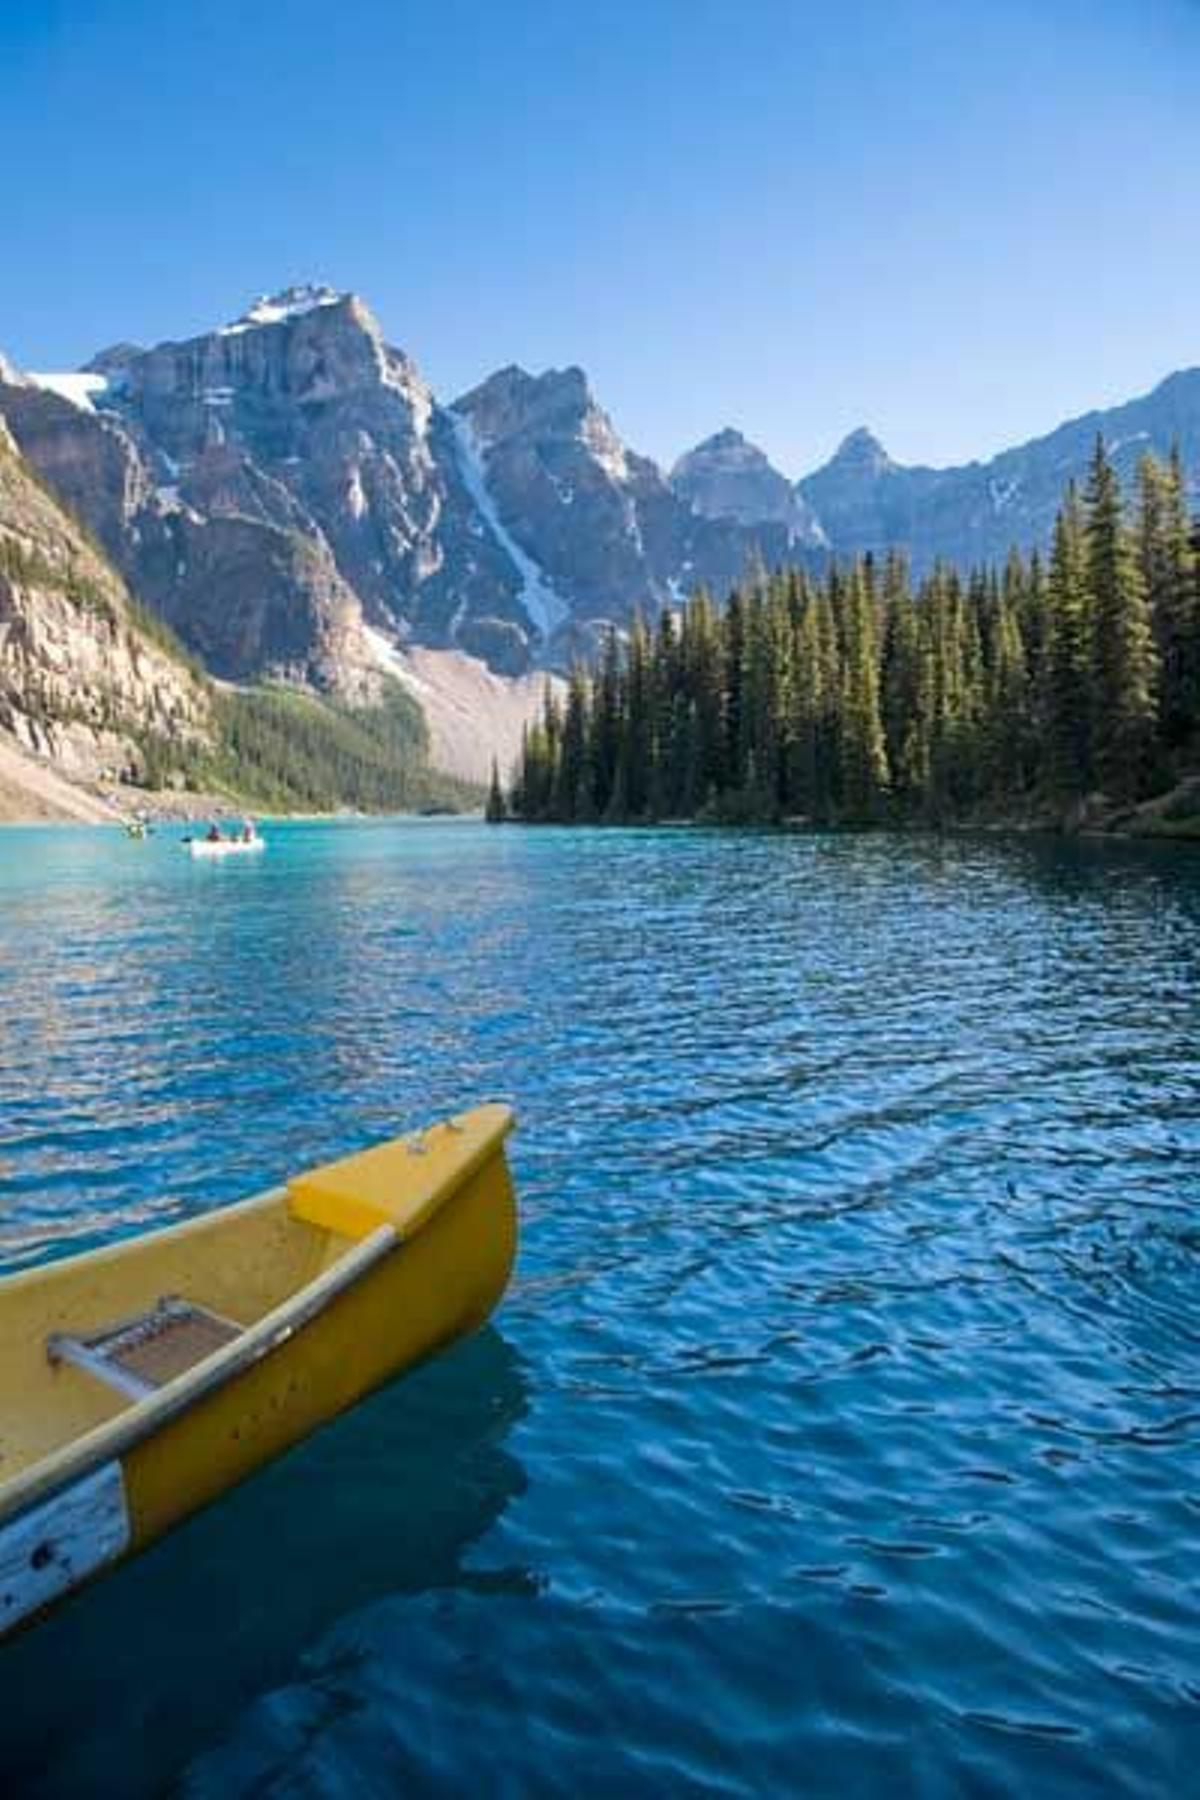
121,1487
428,1292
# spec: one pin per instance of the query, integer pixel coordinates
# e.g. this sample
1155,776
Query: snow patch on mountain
399,374
1123,443
76,386
546,608
276,309
605,447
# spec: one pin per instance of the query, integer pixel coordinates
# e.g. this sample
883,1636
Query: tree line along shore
1060,690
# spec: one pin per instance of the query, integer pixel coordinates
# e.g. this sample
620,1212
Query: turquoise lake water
841,1431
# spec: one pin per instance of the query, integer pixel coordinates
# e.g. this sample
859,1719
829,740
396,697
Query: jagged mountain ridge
290,495
248,594
283,484
98,700
974,513
602,527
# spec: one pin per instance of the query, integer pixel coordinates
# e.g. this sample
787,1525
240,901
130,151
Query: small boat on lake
217,844
141,1380
203,847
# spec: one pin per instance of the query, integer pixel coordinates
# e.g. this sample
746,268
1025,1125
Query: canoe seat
139,1354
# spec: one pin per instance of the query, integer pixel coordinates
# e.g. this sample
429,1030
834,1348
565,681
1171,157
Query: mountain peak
728,449
729,478
513,402
728,438
861,449
289,303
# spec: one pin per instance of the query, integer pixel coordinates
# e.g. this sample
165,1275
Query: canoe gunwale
116,1437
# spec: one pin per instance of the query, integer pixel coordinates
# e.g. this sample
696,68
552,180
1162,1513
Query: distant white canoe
207,847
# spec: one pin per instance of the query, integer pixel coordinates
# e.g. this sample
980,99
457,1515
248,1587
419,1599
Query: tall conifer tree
1067,664
1123,652
1168,567
862,751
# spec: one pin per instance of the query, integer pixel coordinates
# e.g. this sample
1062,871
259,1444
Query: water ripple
842,1430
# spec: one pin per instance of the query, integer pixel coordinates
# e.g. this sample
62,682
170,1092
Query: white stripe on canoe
57,1545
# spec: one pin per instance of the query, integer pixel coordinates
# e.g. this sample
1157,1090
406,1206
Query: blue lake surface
841,1431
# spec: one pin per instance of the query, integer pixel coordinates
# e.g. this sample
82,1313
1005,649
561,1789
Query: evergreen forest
857,697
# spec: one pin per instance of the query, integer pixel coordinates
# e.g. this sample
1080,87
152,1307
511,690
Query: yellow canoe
139,1381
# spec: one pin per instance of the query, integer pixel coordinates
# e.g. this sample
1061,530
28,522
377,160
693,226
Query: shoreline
33,791
1173,817
225,814
1151,831
1154,830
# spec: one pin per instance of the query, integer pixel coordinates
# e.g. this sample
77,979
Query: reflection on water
391,1499
841,1433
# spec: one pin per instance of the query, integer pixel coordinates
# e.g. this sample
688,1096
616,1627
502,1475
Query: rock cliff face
273,486
250,592
727,477
601,529
83,681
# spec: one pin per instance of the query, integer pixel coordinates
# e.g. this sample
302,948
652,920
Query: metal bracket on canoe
138,1355
115,1438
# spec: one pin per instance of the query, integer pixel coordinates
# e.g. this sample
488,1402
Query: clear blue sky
957,222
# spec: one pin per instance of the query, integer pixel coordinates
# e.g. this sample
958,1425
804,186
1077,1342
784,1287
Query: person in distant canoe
247,831
214,833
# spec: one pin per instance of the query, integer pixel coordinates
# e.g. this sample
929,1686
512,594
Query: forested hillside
290,750
858,698
97,688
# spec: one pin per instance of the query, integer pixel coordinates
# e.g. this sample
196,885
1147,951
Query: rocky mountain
597,530
193,465
726,477
99,703
286,485
976,512
287,492
86,680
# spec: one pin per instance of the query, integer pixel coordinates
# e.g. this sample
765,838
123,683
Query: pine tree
1123,651
761,745
1168,568
805,777
496,811
907,694
949,736
1067,665
1022,594
605,736
662,783
862,751
703,658
733,674
1006,734
572,771
637,728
